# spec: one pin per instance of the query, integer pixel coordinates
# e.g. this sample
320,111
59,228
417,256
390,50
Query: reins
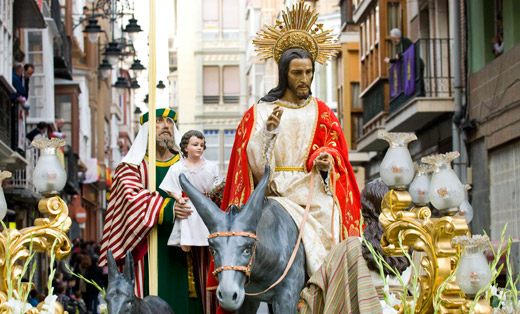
247,269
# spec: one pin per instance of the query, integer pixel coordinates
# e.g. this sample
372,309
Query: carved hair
371,198
186,139
283,71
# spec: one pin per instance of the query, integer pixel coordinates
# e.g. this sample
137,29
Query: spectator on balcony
56,129
38,132
497,42
28,71
20,96
402,43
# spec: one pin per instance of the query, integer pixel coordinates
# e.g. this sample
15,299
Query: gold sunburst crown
296,29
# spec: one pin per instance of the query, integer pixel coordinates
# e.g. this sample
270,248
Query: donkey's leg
288,291
250,306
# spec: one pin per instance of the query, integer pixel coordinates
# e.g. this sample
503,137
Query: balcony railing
22,179
423,71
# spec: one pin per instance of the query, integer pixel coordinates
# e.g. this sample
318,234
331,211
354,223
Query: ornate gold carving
43,235
432,236
296,29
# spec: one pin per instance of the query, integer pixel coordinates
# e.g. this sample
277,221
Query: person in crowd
497,42
402,43
82,307
20,94
28,71
204,175
39,131
68,304
55,131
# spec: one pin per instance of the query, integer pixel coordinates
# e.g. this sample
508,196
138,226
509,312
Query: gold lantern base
48,235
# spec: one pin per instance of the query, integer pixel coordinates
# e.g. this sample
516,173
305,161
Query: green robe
173,265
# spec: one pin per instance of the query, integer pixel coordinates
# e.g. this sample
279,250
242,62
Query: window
212,145
221,19
229,88
231,81
210,19
230,21
41,91
64,111
211,81
362,40
6,39
376,24
504,177
356,100
369,33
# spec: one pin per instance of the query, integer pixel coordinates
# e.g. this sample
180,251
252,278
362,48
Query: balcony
420,90
21,185
432,93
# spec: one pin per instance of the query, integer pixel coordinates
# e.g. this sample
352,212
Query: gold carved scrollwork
427,236
46,231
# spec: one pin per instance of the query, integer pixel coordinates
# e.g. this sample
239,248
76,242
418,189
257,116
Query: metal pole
457,100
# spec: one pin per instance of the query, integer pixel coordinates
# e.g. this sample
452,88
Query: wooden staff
153,269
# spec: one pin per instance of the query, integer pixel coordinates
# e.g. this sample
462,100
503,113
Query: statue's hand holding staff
181,209
274,118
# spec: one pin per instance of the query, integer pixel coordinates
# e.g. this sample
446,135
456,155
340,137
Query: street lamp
104,68
132,29
92,30
112,52
161,85
121,84
135,84
137,67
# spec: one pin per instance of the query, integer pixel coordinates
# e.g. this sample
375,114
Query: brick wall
494,100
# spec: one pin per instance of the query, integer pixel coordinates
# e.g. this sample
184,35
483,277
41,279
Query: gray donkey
234,252
120,294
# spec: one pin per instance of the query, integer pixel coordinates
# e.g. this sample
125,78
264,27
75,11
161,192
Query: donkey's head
120,295
230,249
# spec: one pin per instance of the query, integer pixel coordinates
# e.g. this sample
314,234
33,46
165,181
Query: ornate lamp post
415,228
48,234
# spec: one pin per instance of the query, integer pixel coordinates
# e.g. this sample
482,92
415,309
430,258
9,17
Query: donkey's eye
212,251
247,251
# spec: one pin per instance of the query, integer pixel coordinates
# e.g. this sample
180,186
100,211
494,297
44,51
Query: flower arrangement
215,194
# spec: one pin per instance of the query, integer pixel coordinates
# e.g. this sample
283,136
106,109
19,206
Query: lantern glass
397,169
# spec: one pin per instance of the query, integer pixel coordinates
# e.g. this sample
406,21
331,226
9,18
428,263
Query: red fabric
328,137
131,215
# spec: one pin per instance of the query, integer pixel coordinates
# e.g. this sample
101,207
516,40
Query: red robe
329,138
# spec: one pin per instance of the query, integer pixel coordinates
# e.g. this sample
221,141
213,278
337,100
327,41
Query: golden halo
296,29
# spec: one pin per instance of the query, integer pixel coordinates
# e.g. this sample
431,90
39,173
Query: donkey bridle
244,269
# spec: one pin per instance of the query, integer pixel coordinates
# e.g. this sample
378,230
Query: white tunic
289,183
191,231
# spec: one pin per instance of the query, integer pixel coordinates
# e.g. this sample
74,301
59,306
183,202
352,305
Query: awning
27,14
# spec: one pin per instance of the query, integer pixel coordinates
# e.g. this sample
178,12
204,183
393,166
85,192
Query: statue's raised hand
274,118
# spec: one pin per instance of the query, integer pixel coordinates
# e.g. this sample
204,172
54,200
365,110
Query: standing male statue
133,212
298,136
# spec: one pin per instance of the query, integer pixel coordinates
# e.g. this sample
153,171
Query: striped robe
132,213
342,284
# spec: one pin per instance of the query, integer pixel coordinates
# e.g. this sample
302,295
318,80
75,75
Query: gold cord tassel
191,278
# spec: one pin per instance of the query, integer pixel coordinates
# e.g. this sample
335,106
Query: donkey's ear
129,268
113,272
252,210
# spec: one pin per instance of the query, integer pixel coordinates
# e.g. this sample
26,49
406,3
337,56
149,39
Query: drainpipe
457,100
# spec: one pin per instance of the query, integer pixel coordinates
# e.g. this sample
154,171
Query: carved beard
165,142
300,94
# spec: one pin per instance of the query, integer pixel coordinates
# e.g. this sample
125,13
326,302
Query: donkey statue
251,247
120,294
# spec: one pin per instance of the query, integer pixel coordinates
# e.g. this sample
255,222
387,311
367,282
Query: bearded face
164,128
300,77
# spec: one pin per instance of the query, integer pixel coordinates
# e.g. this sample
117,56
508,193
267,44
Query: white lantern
473,272
49,176
446,190
420,187
397,169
